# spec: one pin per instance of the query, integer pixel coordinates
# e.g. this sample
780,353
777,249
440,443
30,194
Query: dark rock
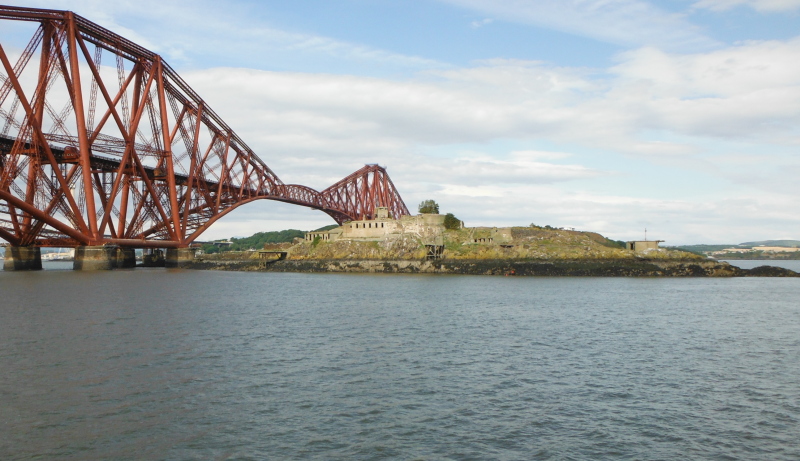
770,271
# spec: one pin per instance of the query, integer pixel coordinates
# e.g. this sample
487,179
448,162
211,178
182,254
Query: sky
681,117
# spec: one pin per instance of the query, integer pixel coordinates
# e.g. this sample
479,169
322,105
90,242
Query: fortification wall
428,227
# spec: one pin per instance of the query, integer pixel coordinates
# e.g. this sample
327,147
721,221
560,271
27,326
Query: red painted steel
128,153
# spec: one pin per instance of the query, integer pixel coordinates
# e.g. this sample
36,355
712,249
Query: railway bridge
105,148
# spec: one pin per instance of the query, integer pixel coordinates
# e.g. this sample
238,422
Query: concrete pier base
103,258
153,258
179,257
22,259
126,258
95,258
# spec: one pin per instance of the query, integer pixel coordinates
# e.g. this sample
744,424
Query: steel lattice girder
141,160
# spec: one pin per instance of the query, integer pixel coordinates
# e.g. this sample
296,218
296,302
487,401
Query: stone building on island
642,245
490,236
428,227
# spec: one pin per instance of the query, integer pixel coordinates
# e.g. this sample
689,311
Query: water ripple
204,365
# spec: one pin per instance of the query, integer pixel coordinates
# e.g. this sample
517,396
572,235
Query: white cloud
661,110
759,5
749,90
481,23
476,174
190,33
651,104
623,22
664,107
746,67
625,217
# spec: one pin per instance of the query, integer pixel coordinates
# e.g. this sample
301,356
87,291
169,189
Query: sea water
175,364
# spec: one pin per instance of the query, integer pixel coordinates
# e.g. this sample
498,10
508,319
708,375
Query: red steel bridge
103,143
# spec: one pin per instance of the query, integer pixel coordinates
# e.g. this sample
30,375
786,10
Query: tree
451,222
429,206
258,239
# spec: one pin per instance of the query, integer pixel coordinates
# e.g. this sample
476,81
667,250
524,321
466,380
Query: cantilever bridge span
103,143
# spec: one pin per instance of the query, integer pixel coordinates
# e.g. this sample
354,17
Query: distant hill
701,248
773,243
257,241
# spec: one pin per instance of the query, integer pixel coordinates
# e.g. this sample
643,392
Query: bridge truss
102,142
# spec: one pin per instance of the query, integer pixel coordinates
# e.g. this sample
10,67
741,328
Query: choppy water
156,364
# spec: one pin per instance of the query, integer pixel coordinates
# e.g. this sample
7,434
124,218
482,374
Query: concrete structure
153,258
324,236
269,256
126,258
491,236
95,258
428,227
642,245
22,258
105,257
179,257
434,251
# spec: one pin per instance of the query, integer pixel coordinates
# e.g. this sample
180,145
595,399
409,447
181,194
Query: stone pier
22,259
95,258
155,258
126,258
179,257
103,258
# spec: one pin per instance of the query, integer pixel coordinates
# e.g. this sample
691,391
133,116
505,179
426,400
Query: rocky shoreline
580,268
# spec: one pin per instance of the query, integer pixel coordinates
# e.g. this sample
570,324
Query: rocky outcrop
594,268
482,243
770,271
528,251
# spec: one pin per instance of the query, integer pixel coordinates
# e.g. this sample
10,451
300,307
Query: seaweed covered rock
770,271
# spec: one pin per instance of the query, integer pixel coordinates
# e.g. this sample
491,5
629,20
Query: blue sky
681,116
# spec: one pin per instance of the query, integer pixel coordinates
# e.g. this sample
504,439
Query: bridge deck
99,162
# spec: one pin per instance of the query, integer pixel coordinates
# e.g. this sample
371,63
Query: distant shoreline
759,257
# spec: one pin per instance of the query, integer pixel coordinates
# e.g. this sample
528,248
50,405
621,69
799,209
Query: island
440,244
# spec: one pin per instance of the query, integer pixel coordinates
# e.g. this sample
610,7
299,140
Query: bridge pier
95,258
179,257
153,258
22,258
103,258
126,258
